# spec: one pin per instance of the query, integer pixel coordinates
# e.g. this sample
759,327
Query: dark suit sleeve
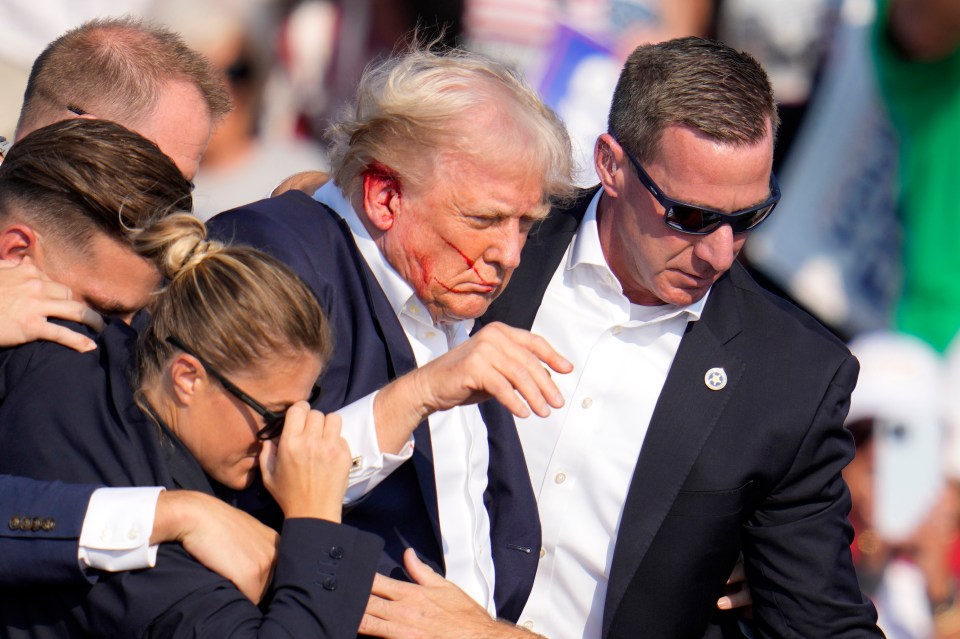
62,424
45,553
797,543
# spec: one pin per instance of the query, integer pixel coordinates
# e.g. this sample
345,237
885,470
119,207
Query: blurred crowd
866,236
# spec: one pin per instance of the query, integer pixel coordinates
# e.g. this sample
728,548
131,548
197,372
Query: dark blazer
71,416
370,350
40,525
753,468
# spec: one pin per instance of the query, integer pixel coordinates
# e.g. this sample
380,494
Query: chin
238,482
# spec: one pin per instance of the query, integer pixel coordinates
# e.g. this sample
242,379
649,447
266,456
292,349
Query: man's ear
18,241
608,157
381,196
187,378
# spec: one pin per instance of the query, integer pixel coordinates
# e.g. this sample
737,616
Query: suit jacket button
36,524
26,523
14,523
336,552
330,583
48,524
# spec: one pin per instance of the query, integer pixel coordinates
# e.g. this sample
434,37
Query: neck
158,405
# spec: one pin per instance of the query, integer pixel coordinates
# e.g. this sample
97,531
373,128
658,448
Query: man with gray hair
440,169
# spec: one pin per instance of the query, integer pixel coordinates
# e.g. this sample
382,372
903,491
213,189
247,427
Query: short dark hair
80,176
706,85
114,68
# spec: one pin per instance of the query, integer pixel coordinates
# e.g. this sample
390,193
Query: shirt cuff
370,465
117,528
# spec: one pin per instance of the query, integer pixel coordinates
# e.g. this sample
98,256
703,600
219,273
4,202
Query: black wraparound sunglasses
700,220
272,420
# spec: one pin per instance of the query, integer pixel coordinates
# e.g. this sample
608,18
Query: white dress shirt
581,458
459,436
116,529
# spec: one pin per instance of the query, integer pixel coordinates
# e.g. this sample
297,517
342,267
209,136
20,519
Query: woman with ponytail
215,395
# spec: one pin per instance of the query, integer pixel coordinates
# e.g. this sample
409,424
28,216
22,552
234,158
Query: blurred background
866,238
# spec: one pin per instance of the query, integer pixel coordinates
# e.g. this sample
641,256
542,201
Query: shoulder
21,365
779,339
294,228
286,215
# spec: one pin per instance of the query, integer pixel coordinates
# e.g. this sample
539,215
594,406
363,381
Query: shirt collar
586,253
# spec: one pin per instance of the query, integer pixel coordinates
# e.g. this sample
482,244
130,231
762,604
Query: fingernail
723,603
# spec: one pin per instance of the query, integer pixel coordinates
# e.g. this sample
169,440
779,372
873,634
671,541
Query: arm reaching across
28,298
431,608
306,181
226,540
505,363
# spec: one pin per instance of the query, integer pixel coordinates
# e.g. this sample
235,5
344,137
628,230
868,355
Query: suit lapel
401,360
683,419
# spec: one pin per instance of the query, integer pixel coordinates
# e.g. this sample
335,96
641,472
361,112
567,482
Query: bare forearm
398,409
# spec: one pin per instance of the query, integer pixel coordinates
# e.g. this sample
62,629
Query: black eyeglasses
272,421
700,220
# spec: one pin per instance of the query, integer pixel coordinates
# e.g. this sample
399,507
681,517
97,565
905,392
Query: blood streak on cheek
470,265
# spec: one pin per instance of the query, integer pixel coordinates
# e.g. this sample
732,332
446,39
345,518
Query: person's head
449,158
141,76
233,329
72,193
694,120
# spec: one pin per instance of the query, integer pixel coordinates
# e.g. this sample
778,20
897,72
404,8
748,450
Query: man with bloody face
439,172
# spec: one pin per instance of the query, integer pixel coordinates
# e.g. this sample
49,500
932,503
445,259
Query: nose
505,251
717,249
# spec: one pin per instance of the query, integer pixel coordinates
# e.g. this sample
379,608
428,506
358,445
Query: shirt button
336,552
413,310
431,334
105,534
543,553
560,478
527,624
617,330
587,402
329,583
133,534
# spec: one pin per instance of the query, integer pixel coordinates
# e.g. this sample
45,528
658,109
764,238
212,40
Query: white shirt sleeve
370,465
117,527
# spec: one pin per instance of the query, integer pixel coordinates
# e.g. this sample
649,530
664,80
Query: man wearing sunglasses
704,417
710,411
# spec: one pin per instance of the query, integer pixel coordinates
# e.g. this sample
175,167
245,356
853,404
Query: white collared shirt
117,527
459,436
581,458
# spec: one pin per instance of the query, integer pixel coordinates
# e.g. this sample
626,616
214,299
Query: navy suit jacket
41,554
71,416
753,468
370,350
